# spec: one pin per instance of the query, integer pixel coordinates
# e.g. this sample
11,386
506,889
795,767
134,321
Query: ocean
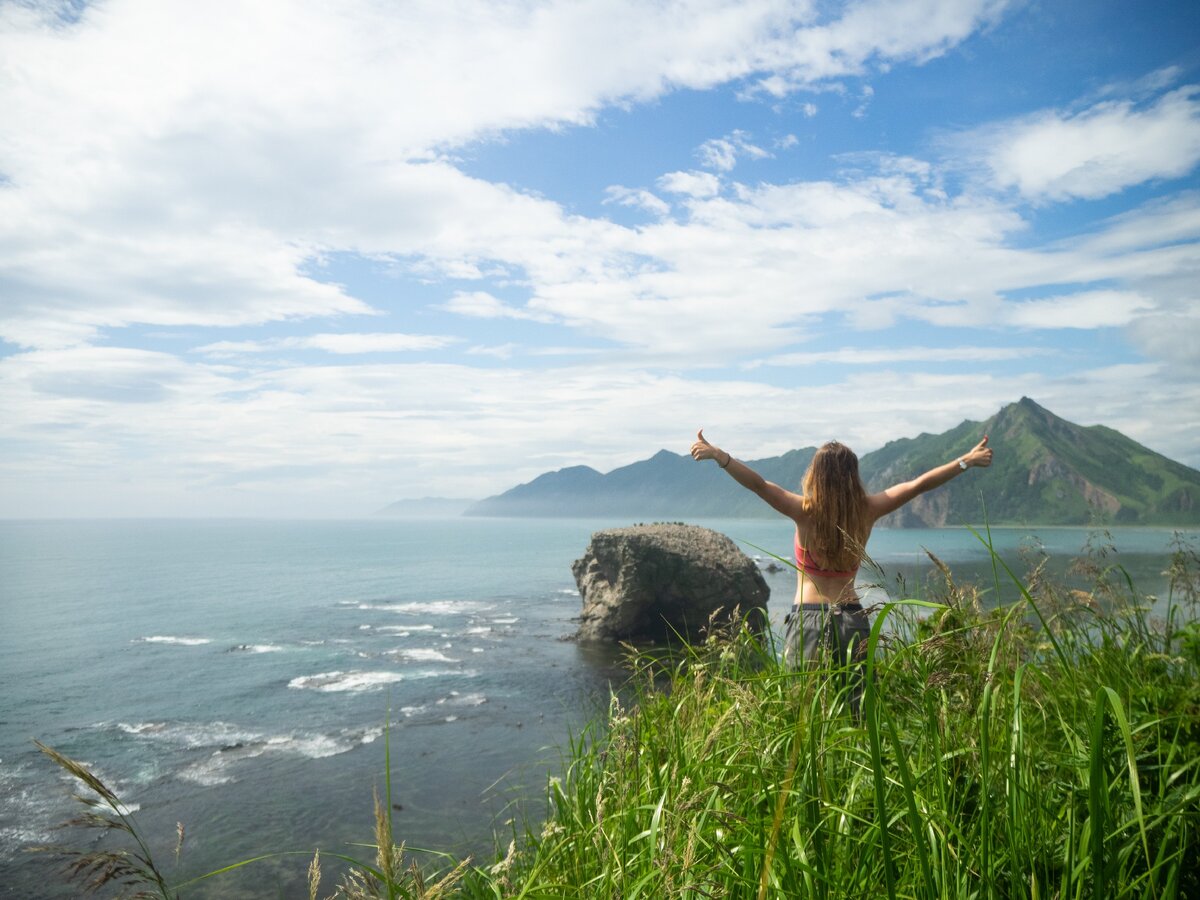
239,676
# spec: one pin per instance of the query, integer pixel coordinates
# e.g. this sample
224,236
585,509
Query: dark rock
664,582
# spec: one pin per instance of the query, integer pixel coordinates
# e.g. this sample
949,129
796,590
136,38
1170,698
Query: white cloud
182,164
194,165
864,102
1096,152
854,356
499,351
349,343
637,197
874,33
345,439
691,184
1085,310
1173,338
722,153
482,305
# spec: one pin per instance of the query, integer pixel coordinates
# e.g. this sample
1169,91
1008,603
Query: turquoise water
237,675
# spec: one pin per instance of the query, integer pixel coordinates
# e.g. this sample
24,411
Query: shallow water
238,675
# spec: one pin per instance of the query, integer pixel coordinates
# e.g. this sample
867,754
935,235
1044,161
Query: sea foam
424,655
429,607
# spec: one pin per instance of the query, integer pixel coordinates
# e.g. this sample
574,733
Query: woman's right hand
702,449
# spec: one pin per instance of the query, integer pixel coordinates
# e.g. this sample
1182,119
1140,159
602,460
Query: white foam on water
457,699
410,711
429,607
511,620
476,649
170,639
192,734
336,682
480,629
331,682
15,838
371,735
220,767
403,630
450,719
30,808
312,746
256,648
215,769
424,655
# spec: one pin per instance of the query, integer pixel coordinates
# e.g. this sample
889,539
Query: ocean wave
169,639
191,734
457,699
214,769
479,629
370,735
429,607
255,648
235,747
402,630
508,620
334,682
29,808
423,655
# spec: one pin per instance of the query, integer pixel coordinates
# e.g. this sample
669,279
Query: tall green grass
1044,747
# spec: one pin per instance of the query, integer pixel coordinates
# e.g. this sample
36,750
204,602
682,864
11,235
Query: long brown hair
835,498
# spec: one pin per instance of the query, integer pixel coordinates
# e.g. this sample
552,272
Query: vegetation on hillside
1047,471
1044,747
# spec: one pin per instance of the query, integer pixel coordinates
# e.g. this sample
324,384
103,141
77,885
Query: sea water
248,679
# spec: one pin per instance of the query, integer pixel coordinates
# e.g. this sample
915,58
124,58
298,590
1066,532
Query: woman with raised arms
833,516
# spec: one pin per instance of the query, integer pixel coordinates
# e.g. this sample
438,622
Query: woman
834,517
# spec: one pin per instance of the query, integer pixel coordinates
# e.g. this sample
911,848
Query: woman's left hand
980,454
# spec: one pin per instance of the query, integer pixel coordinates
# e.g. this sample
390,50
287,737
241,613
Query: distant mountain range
1047,471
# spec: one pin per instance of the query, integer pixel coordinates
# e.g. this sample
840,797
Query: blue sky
304,259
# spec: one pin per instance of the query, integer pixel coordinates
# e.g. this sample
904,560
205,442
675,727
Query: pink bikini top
806,564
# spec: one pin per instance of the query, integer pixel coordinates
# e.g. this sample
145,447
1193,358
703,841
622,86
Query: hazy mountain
1047,471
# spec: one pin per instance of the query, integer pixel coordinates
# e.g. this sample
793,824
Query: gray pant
829,637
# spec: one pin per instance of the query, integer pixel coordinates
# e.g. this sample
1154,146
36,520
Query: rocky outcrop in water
664,582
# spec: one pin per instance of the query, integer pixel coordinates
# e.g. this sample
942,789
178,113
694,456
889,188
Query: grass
1048,747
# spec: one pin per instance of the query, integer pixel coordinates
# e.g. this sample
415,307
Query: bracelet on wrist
728,460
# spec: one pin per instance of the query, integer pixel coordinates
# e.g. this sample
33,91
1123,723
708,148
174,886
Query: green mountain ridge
1046,471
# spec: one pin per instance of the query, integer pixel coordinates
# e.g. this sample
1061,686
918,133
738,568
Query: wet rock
664,582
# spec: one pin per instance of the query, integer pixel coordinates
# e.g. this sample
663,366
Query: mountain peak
1046,470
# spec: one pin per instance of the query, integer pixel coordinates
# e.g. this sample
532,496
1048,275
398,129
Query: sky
296,259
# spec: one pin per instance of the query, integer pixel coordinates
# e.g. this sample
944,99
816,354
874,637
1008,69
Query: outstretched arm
779,499
897,495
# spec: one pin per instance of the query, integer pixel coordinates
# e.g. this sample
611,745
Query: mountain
1046,471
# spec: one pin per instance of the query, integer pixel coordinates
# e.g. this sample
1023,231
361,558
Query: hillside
1047,471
